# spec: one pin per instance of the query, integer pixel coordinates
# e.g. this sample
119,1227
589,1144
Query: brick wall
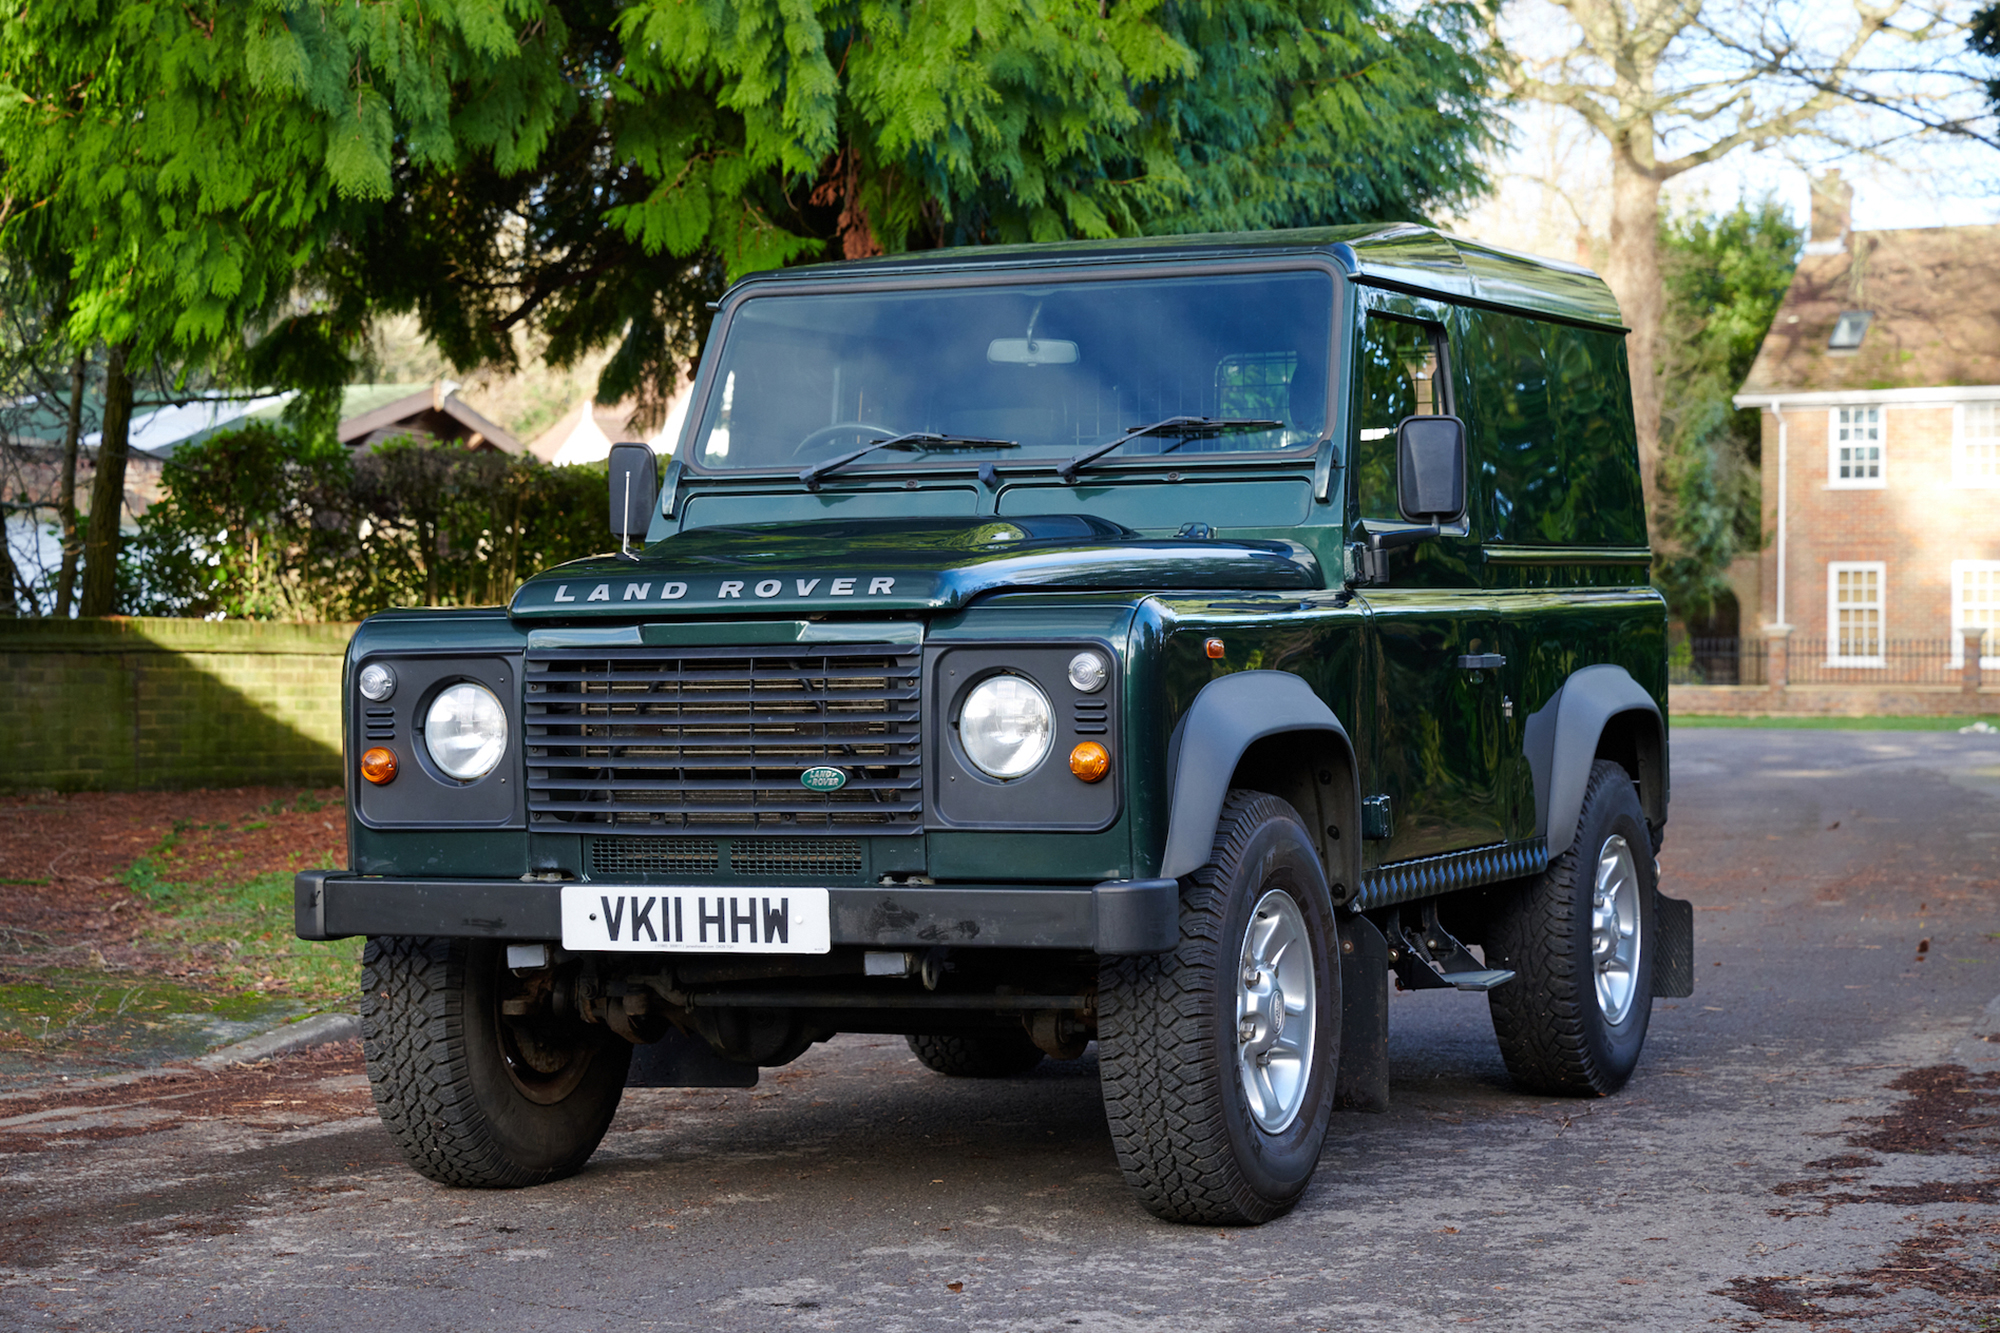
1832,701
129,704
1916,523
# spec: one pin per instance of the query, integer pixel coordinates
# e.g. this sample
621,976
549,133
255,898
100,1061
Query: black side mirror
1430,468
635,484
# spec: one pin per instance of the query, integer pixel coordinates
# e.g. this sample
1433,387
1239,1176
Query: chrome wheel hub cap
1275,1012
1614,929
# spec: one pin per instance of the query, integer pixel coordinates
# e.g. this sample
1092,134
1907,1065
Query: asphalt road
1809,1141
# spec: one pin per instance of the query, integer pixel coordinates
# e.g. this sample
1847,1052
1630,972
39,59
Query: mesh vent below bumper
748,857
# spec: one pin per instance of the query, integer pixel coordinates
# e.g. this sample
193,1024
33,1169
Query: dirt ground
62,902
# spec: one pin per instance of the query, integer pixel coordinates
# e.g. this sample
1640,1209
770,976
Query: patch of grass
117,1011
1832,723
243,930
305,803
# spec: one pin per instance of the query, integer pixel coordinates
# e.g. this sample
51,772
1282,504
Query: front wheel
1217,1058
1580,942
471,1095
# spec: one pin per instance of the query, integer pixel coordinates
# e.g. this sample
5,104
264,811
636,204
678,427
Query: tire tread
413,1036
1161,1093
1539,1018
976,1054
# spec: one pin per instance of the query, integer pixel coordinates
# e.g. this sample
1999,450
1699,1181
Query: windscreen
1008,373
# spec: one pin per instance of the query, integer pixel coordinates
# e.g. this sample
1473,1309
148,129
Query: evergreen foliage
1982,38
249,181
1725,277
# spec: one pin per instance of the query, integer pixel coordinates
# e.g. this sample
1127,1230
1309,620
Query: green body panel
1547,569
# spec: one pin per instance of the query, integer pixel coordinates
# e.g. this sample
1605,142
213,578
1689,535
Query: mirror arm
1390,541
669,492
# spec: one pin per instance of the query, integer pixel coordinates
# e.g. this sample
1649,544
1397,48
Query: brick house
1879,391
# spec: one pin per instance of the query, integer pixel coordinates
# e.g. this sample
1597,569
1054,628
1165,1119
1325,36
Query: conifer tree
246,183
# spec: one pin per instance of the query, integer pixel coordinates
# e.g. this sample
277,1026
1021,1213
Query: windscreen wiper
1188,427
928,441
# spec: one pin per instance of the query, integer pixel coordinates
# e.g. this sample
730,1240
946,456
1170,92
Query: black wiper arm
1187,427
916,439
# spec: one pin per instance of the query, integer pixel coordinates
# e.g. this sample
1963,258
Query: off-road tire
977,1054
430,1031
1553,1035
1166,1038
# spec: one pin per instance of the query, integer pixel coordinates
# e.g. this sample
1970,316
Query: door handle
1481,661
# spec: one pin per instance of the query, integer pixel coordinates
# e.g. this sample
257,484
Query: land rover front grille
715,740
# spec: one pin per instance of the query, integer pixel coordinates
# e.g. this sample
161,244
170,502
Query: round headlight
1088,672
377,682
466,731
1006,726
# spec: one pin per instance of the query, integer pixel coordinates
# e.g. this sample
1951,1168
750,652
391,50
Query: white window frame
1834,569
1959,569
1834,480
1962,472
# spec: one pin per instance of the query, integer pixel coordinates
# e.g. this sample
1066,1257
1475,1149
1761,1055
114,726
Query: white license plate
652,919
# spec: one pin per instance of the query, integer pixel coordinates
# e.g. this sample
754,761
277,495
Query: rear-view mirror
1430,468
635,484
1031,352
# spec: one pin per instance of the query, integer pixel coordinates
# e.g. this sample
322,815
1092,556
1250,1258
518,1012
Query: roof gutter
1940,395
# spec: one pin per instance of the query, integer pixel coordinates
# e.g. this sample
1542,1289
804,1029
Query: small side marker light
1090,761
1214,647
378,765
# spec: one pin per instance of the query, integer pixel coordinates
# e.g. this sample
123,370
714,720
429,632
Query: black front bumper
1120,917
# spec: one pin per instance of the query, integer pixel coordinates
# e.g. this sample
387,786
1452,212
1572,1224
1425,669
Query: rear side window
1550,420
1401,376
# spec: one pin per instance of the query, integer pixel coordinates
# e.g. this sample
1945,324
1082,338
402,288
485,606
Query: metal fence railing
1715,661
1745,661
1892,662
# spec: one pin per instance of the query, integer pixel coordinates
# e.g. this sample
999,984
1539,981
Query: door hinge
1375,818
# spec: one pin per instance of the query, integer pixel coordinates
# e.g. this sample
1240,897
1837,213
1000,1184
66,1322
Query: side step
1425,956
1479,981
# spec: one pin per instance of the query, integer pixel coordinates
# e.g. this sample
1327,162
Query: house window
1975,604
1854,625
1854,436
1975,454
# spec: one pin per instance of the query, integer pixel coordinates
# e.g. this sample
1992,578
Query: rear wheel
999,1054
471,1096
1218,1058
1579,939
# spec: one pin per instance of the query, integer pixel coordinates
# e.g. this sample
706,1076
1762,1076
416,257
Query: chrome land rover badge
823,778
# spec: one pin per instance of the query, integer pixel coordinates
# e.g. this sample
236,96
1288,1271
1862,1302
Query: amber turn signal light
1090,761
378,765
1214,647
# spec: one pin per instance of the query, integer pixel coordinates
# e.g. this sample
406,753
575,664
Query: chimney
1832,214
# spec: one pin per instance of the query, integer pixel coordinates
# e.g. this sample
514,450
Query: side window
1518,446
1589,400
1401,364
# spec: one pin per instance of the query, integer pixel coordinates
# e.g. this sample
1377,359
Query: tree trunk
9,575
107,490
66,580
1634,275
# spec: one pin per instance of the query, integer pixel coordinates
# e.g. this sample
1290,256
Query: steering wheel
862,432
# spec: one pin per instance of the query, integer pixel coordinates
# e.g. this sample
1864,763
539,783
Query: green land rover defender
1158,644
